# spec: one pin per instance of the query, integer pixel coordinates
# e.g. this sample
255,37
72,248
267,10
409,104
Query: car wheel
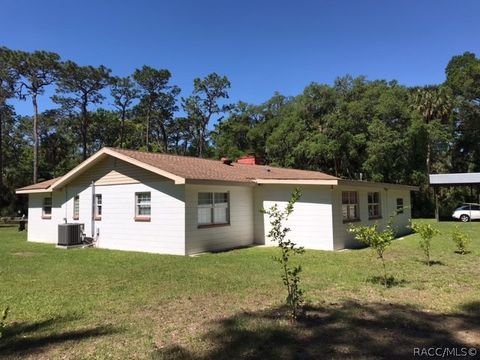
465,218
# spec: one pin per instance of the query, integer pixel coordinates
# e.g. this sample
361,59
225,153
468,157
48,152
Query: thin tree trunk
35,138
429,152
165,137
147,135
385,281
177,142
84,130
185,147
201,140
1,145
122,130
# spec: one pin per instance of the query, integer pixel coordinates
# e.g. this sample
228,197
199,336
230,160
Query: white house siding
401,221
117,229
118,182
44,230
238,233
388,198
310,222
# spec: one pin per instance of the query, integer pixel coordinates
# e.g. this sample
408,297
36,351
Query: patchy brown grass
100,304
27,253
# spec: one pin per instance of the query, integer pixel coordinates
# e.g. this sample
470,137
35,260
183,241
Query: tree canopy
353,128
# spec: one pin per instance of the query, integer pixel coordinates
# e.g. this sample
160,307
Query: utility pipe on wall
93,211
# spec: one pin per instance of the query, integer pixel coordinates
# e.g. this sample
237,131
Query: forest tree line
375,129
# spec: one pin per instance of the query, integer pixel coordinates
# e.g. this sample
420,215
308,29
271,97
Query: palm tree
433,103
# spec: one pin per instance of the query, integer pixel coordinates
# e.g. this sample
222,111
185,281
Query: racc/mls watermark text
446,352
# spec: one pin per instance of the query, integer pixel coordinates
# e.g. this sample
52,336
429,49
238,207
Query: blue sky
262,46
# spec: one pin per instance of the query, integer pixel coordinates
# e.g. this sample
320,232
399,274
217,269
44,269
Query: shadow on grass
22,338
350,330
432,262
466,252
436,262
391,281
472,309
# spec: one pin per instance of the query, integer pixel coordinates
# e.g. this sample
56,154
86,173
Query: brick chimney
249,159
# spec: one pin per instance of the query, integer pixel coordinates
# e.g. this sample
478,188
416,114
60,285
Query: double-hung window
47,208
76,207
213,208
399,205
98,206
143,206
350,206
374,205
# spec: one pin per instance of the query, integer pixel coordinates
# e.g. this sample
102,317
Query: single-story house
162,203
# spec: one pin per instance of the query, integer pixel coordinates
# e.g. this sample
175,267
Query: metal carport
450,180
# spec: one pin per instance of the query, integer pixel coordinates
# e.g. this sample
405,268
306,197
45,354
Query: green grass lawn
102,304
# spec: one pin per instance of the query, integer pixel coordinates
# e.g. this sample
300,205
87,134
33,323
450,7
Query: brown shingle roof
41,185
192,168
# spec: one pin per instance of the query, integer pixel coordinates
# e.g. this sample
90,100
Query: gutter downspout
93,211
65,204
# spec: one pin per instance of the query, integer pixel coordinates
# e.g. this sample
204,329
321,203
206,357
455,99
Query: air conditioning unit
70,234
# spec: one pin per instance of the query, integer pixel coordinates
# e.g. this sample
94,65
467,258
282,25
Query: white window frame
399,207
47,205
349,205
98,207
212,206
138,205
374,205
76,207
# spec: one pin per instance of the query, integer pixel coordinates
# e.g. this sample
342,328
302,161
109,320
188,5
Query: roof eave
32,191
297,181
362,183
218,182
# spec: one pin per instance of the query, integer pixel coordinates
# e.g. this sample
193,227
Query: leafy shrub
379,241
461,240
427,232
291,273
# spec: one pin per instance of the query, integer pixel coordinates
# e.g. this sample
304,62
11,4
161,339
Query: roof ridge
161,153
217,161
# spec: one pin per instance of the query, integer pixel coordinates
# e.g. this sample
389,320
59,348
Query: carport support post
435,195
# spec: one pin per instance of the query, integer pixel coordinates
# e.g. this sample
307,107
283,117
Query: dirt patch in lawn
26,254
346,330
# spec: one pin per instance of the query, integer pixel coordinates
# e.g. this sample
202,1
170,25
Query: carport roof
455,179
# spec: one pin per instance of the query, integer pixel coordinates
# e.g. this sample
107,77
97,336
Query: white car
467,212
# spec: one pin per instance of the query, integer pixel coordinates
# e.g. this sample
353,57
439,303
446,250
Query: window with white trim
47,208
374,205
213,208
76,207
143,207
350,206
399,205
98,206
